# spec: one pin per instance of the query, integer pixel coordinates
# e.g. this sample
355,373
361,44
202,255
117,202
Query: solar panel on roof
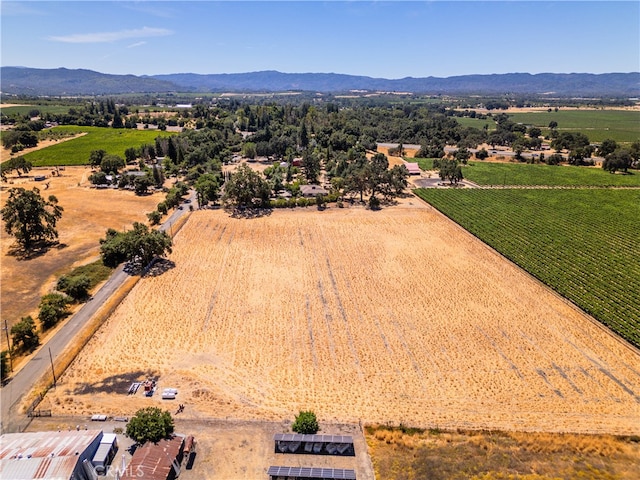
295,437
312,472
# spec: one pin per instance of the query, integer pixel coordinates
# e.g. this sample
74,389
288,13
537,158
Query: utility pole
6,329
53,372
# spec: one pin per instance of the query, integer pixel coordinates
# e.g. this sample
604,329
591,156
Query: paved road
23,381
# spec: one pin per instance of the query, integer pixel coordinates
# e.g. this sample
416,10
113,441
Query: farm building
156,461
414,168
51,455
312,190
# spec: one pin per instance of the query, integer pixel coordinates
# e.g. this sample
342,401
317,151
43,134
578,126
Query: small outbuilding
414,168
156,461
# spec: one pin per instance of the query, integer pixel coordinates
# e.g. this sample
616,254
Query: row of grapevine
583,243
484,173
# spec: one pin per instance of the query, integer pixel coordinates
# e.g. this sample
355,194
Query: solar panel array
296,437
312,472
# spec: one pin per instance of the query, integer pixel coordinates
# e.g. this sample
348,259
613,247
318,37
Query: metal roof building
156,461
50,455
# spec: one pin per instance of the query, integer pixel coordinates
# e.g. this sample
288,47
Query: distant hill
573,84
62,81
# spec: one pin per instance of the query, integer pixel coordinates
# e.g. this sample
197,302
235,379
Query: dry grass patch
500,455
87,215
390,316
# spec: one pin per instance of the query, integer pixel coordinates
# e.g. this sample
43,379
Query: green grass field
489,173
77,151
477,123
598,125
619,125
25,109
423,163
583,243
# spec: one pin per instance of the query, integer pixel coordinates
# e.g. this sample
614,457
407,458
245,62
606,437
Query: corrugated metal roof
38,455
57,468
154,461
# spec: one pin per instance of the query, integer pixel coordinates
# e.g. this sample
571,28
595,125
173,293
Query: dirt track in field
390,316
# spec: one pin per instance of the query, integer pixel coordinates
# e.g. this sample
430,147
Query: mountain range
63,81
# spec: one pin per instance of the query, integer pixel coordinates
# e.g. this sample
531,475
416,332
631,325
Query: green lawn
77,151
583,243
488,173
423,163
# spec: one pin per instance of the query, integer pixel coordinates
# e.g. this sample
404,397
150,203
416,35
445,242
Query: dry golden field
87,215
390,316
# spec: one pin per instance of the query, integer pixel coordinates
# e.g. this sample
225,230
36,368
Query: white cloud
137,44
105,37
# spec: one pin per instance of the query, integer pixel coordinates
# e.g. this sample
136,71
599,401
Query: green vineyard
583,243
512,174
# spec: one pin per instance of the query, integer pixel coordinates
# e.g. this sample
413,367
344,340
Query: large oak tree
30,218
150,424
138,246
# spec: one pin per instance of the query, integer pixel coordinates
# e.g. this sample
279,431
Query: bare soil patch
87,215
389,316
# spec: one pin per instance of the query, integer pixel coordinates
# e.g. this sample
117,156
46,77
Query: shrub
154,217
306,423
77,287
24,335
53,307
4,365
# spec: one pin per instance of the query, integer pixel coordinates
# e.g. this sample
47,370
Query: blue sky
378,39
